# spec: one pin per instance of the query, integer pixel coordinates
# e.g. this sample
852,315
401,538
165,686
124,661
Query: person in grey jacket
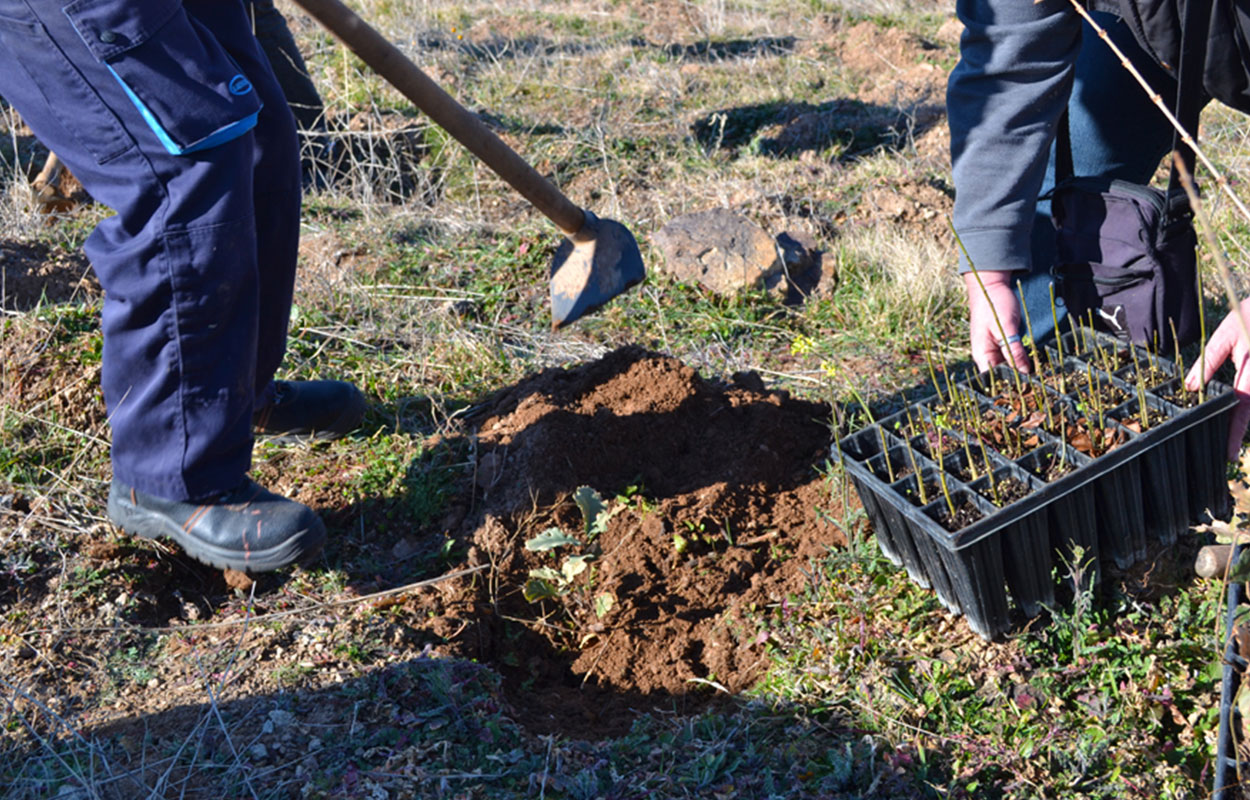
1022,63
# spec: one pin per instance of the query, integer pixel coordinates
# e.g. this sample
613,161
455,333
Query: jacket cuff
996,249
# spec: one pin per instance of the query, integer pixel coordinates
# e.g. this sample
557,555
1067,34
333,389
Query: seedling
1054,316
946,492
1028,323
547,582
915,471
1142,408
989,469
1002,332
880,432
928,357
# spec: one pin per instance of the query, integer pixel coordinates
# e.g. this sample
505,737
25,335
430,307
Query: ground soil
33,272
716,511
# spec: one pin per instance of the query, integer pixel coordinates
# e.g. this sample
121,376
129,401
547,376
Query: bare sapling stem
1226,276
972,466
1037,357
989,470
1176,346
935,450
885,454
1094,400
946,492
1157,99
998,322
839,423
1028,325
885,449
1141,392
1063,442
915,472
1054,318
928,357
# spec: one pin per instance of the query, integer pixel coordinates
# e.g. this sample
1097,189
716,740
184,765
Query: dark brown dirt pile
713,492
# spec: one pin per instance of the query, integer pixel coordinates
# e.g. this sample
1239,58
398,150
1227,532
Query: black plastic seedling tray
1139,494
1227,784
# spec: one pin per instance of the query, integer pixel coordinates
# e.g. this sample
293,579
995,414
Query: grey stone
721,250
798,251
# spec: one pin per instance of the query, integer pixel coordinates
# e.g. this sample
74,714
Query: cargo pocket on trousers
187,88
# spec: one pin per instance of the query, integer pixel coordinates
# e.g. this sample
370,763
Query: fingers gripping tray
985,489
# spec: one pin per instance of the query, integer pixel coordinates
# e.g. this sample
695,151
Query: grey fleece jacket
1003,102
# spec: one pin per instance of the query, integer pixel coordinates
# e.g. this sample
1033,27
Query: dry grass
422,278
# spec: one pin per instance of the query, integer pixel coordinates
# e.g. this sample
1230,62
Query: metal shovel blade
591,267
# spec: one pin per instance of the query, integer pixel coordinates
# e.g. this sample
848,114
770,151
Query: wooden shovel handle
387,60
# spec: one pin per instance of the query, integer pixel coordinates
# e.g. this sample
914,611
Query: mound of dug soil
711,500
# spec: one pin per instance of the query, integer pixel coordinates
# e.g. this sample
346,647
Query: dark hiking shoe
310,410
248,528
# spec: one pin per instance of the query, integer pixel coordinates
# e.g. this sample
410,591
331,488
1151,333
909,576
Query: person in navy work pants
169,114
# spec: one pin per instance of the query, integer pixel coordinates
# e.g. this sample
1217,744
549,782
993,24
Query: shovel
600,257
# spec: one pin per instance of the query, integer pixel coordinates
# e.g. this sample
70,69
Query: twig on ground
269,616
1157,99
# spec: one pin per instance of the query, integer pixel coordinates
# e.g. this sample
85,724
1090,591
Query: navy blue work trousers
169,114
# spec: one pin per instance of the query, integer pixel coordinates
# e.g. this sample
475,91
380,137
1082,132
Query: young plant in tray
915,470
1141,423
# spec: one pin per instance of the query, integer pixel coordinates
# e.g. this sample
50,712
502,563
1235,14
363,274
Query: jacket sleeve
1003,102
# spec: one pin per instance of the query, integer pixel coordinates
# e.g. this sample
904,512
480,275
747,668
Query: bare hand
1228,341
988,348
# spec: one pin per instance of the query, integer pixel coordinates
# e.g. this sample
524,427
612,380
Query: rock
237,580
280,718
718,249
798,251
950,32
749,380
405,548
258,752
489,467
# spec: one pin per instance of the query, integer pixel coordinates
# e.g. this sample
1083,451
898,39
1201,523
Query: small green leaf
679,543
1243,701
1240,570
576,565
595,512
550,539
538,589
546,574
603,604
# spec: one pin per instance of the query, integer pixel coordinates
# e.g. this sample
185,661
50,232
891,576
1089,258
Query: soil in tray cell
1091,389
1153,375
1011,440
898,467
965,514
1131,418
1005,491
968,472
1026,407
932,491
1048,465
935,443
1102,354
1087,437
1176,394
